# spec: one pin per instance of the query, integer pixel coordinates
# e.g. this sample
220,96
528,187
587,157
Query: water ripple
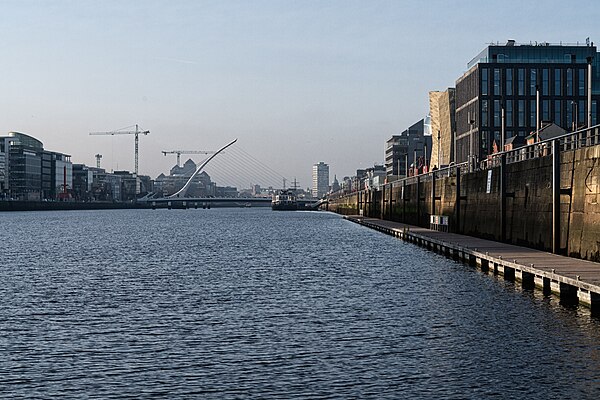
231,304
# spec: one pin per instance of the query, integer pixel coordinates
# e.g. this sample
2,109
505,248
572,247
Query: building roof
25,140
548,130
515,140
534,52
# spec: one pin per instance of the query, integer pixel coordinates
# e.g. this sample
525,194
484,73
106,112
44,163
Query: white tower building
320,177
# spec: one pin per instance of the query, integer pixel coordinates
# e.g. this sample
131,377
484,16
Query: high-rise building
320,178
498,95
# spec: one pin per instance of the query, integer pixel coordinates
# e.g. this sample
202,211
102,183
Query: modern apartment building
505,85
320,179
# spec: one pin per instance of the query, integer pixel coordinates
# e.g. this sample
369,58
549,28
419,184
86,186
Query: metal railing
568,142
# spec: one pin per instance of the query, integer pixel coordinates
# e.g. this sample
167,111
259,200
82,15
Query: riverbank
573,280
17,205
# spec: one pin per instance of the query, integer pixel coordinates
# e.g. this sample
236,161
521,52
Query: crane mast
137,133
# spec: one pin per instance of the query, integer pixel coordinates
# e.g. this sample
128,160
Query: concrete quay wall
476,211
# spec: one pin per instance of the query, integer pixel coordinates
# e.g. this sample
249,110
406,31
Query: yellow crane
180,152
137,132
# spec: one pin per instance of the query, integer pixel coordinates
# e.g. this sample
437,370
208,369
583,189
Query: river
250,303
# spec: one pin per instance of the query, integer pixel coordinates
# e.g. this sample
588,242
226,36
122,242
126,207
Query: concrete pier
573,280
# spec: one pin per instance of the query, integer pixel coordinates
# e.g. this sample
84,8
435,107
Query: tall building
442,111
320,178
403,150
499,93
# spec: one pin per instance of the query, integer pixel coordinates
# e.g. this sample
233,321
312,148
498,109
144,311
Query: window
509,113
497,87
521,112
557,116
484,140
484,81
581,82
545,110
594,118
557,82
484,113
545,78
509,82
569,82
532,82
496,112
521,87
532,113
581,110
570,105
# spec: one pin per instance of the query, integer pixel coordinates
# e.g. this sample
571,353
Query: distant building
506,79
374,177
320,176
335,185
442,110
28,172
202,186
409,149
4,147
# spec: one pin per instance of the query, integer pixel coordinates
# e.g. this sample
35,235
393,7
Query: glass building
509,77
33,173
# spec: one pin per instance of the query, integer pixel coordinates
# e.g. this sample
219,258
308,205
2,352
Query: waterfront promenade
572,279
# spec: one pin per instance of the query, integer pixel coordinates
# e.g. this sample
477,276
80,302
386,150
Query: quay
573,280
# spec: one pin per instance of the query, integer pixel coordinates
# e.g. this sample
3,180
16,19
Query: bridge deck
550,271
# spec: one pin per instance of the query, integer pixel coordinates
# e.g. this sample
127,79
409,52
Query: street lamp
471,155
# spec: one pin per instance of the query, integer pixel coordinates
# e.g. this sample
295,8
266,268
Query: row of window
523,81
522,113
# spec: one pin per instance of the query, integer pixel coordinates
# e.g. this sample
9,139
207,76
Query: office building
28,172
505,85
320,177
409,149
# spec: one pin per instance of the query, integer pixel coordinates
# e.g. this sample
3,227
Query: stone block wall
528,203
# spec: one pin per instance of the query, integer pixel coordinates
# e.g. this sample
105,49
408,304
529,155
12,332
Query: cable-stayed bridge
232,167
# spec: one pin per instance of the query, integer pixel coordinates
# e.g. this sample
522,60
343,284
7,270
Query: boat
284,200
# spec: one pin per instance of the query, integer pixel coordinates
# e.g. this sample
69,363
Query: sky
296,82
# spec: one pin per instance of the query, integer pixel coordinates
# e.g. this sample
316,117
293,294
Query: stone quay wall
476,210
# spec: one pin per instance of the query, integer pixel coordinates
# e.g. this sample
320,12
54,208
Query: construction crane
137,132
180,152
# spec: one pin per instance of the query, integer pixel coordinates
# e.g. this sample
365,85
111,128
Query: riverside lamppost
471,155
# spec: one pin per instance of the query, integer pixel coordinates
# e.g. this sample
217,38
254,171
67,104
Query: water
250,303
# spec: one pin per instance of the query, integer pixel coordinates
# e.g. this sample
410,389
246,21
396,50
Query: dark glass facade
508,78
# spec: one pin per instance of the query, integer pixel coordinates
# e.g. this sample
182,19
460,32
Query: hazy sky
296,81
